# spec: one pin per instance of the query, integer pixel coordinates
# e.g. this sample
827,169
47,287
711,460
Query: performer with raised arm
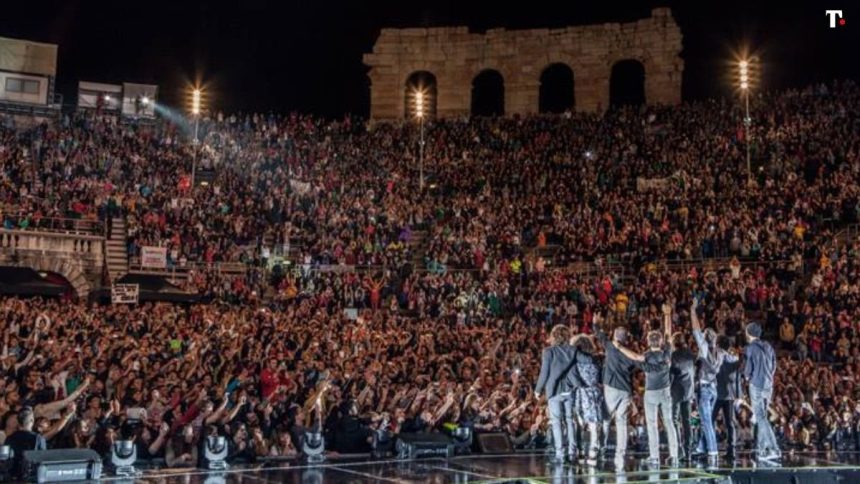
617,387
657,363
555,365
711,358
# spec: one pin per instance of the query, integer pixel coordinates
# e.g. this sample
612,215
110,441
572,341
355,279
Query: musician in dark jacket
683,386
557,361
759,368
728,392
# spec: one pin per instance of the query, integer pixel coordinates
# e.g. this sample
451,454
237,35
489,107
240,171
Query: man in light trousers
617,388
657,365
759,367
556,362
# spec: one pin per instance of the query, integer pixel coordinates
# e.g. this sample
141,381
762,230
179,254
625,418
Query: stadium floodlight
195,101
419,104
420,111
746,68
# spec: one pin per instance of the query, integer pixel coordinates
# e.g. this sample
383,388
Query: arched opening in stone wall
28,281
420,91
556,89
627,84
488,94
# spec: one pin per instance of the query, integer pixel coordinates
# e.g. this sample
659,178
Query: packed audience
579,219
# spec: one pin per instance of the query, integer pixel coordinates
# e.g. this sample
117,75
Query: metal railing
77,226
71,243
620,268
847,234
229,268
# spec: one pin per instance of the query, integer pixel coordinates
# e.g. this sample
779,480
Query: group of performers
581,395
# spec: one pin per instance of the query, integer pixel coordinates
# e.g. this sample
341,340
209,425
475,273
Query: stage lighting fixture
123,455
215,453
313,447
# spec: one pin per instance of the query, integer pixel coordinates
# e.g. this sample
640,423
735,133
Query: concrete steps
116,250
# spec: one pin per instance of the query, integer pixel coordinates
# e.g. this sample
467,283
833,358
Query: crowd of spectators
410,310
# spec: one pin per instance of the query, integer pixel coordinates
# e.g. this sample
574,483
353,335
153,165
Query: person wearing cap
759,367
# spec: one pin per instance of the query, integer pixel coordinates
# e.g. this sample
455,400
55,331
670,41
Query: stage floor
520,467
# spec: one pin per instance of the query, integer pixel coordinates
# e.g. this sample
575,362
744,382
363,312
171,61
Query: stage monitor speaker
794,475
494,443
414,445
60,465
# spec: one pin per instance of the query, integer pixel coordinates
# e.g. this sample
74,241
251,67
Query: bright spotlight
107,97
195,102
145,100
419,104
746,73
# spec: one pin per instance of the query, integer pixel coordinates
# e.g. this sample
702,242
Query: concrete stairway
116,250
418,246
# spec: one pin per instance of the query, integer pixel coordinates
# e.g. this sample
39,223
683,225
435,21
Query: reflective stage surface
521,467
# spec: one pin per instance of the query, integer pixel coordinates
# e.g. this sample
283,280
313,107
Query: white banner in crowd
660,184
652,184
300,187
154,257
125,293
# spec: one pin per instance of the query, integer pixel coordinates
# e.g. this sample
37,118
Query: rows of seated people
648,195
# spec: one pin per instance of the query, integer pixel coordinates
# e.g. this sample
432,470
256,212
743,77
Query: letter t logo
833,14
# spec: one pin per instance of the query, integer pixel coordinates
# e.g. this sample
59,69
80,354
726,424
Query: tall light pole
744,82
419,113
195,110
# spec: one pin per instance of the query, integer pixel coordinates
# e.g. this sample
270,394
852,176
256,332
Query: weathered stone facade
455,56
78,258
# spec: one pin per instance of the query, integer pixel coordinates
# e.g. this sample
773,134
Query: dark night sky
306,56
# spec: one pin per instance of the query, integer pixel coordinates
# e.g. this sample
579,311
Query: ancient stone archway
627,83
488,93
422,82
72,269
454,56
556,89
